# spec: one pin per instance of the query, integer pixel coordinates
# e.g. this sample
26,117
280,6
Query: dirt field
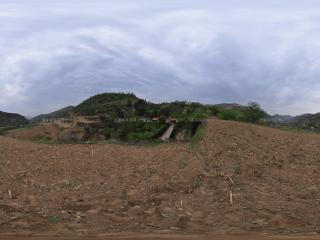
44,130
241,179
171,237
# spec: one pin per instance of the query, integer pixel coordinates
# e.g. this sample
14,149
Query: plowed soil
240,179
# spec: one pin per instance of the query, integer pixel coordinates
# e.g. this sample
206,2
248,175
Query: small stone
151,211
175,228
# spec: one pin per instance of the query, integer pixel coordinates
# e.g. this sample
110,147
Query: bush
253,113
198,134
133,131
4,130
215,110
232,114
199,116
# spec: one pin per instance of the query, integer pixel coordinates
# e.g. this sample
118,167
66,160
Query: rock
132,193
166,212
117,203
94,211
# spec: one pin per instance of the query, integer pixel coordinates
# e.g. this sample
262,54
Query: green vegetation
54,218
199,134
112,105
133,131
252,113
189,127
127,105
5,129
12,120
291,128
127,118
232,114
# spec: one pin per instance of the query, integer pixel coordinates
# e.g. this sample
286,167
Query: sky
58,53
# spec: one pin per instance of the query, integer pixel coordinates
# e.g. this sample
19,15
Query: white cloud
238,51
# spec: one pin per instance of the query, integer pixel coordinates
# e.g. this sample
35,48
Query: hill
111,104
284,119
308,121
124,105
113,110
11,120
57,114
240,178
128,105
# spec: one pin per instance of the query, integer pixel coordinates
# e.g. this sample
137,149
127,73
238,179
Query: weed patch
54,219
199,134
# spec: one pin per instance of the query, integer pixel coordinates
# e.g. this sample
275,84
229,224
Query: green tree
232,114
254,113
214,110
141,107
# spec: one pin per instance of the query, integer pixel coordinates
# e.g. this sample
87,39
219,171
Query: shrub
199,116
232,114
252,113
198,134
215,110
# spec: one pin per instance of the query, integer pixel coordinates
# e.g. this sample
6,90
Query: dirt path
167,134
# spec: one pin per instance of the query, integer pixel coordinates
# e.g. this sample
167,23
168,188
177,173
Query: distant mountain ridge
11,119
56,114
126,105
281,118
308,121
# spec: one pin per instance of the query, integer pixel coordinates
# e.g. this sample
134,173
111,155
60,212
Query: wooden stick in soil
231,198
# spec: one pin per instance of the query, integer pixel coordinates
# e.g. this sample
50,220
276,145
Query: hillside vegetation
123,105
11,120
125,117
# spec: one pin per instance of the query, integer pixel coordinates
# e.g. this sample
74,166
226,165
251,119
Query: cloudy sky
54,53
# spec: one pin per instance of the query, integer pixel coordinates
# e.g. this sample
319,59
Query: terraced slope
240,178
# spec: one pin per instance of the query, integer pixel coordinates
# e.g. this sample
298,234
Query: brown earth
170,237
41,131
239,179
58,131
